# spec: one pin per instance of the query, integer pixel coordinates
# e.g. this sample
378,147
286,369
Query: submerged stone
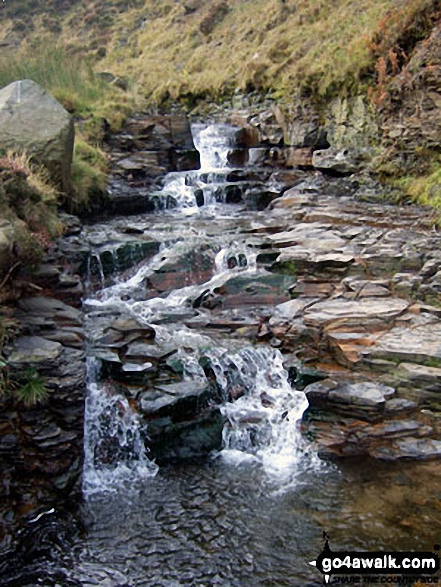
409,448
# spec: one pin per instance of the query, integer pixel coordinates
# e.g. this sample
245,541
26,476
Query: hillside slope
175,48
302,54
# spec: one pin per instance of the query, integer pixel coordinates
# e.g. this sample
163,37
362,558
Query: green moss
425,190
422,188
285,268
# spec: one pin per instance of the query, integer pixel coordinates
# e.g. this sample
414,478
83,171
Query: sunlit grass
89,175
425,190
190,52
302,47
69,78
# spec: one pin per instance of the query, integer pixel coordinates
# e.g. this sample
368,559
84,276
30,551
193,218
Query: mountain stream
252,513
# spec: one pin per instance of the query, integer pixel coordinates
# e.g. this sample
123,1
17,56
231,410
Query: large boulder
33,122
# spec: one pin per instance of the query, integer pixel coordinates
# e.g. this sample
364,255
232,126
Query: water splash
262,410
237,255
213,142
114,443
206,186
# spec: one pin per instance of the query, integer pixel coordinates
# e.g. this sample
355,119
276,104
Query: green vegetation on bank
69,78
89,175
28,389
425,189
179,50
67,73
28,201
95,104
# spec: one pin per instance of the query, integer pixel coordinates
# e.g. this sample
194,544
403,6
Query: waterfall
114,441
193,189
213,143
262,410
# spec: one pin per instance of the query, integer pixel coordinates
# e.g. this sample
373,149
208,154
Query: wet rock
33,350
399,406
398,428
243,290
147,148
68,337
190,267
238,157
288,311
259,199
187,440
259,156
126,325
420,344
57,310
369,395
269,125
143,164
177,400
183,420
340,162
233,194
247,137
71,224
299,157
420,376
364,400
363,311
409,448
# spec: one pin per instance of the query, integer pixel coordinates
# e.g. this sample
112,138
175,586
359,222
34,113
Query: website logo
401,565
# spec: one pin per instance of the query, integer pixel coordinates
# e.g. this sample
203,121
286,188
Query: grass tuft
68,77
32,389
89,175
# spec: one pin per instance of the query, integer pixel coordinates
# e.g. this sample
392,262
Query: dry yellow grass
297,47
172,49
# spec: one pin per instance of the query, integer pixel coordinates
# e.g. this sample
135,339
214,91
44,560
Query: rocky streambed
245,335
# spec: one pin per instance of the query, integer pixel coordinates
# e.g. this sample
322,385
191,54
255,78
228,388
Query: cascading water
193,189
114,443
263,422
213,522
260,408
213,143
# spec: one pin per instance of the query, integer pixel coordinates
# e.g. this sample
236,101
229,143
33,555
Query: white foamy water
260,408
213,143
203,187
262,424
114,447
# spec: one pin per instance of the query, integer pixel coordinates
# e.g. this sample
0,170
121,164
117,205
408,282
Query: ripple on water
219,524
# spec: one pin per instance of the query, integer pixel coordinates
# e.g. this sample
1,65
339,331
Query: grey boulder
33,122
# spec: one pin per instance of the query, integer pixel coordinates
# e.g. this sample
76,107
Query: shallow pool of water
222,524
